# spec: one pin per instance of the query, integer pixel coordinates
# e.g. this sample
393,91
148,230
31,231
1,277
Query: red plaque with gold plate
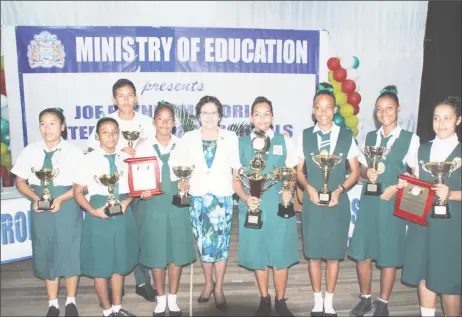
143,175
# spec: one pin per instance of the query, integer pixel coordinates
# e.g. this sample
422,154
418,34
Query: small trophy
256,180
131,136
286,175
45,175
438,170
114,208
376,154
182,198
326,162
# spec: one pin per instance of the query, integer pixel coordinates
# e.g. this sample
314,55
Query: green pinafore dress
434,253
165,230
56,236
325,229
109,246
378,234
276,243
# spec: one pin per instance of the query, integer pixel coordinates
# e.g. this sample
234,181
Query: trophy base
286,212
180,201
440,212
112,211
253,220
44,204
324,198
373,189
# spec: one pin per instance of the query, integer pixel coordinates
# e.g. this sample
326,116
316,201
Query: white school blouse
65,159
140,122
96,164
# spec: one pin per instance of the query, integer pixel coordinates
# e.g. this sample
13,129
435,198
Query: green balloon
4,126
356,64
5,138
339,120
1,62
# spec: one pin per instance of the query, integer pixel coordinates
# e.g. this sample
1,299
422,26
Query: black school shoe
71,310
52,312
265,307
280,307
364,306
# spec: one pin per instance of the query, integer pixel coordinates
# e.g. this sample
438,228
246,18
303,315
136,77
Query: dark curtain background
441,75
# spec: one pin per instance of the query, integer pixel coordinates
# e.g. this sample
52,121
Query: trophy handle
56,173
313,157
422,163
456,163
339,159
241,178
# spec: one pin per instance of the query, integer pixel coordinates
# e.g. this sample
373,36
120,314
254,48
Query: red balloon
356,109
339,74
354,98
2,82
333,63
6,176
348,86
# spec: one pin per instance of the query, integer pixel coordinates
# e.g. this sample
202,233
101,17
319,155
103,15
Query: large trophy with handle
131,136
326,162
46,175
286,175
182,198
256,181
438,170
376,154
109,180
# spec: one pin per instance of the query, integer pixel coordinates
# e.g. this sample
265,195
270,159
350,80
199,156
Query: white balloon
4,102
352,74
4,113
347,62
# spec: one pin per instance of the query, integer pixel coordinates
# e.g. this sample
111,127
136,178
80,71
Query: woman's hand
372,174
56,206
35,206
130,151
442,191
124,205
146,195
313,194
389,192
99,212
183,186
334,197
252,202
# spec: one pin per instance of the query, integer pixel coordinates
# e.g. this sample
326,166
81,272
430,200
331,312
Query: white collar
57,147
395,132
170,144
269,133
453,139
334,128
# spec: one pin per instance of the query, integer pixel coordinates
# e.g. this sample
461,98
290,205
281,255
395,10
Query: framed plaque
414,201
143,175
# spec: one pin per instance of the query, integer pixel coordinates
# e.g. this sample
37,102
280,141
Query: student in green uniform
275,245
56,232
379,235
433,254
165,231
325,227
109,247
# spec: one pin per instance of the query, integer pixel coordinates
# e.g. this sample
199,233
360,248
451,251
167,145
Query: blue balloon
356,64
337,109
339,120
5,138
4,126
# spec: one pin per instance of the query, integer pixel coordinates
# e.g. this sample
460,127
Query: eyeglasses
209,114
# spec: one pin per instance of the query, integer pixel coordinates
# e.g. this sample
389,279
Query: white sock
116,308
328,303
53,302
161,303
366,296
70,300
172,304
427,312
318,302
107,312
383,301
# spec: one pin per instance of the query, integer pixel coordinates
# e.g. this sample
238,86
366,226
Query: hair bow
59,109
389,91
322,88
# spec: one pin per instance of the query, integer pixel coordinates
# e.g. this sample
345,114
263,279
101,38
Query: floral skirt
211,218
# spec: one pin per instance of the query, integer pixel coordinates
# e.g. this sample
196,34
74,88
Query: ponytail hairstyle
389,91
325,89
59,113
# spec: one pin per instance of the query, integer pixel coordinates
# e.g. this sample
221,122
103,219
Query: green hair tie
390,91
322,88
59,109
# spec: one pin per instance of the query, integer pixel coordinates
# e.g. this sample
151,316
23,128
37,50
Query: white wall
386,36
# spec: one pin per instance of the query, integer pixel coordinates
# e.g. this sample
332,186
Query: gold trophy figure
109,180
182,198
131,136
376,154
286,176
326,162
45,175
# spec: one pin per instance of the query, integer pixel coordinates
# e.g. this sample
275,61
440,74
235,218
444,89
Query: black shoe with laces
381,309
71,310
280,307
147,292
364,306
52,312
265,307
124,312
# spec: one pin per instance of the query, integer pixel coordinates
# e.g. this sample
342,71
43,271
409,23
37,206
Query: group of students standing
154,234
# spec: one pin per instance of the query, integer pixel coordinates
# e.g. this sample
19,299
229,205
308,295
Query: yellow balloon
351,121
340,98
346,110
6,160
330,76
3,148
337,86
355,131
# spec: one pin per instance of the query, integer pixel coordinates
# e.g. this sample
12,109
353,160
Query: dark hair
161,106
389,91
261,99
122,83
207,99
325,89
58,112
455,104
104,120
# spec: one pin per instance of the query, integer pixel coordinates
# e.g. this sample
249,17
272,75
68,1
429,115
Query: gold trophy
326,162
256,180
286,176
45,175
438,170
182,198
376,154
109,180
131,136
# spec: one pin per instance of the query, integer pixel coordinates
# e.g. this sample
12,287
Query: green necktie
165,184
113,170
325,141
47,163
384,140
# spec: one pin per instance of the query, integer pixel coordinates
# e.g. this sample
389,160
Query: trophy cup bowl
286,176
131,136
375,153
182,198
45,175
326,162
438,170
109,180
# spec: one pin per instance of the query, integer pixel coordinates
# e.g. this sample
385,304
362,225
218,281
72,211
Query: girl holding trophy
379,235
326,211
165,230
433,258
56,219
275,243
109,247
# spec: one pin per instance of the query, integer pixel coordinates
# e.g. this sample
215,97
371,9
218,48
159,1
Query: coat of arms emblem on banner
45,50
